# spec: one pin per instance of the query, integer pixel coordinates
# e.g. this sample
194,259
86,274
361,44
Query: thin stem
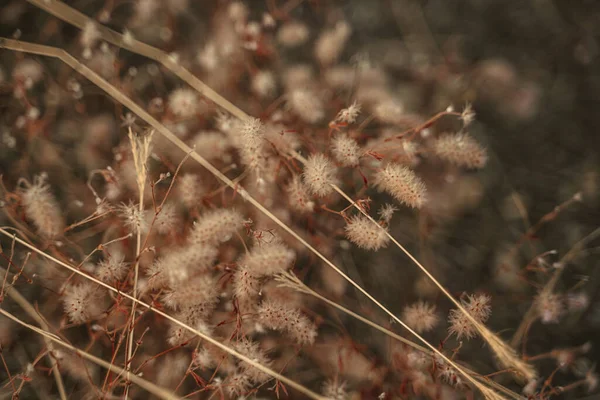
531,314
136,109
149,386
140,150
28,308
204,336
74,17
506,355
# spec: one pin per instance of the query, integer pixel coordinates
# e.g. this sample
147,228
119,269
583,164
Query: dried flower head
292,34
189,189
252,129
389,111
550,307
180,264
330,44
403,184
268,259
253,351
83,302
134,218
167,221
366,234
345,150
246,284
307,105
335,390
468,115
349,114
264,84
112,269
201,290
386,212
420,316
89,36
460,149
42,208
299,198
183,102
478,306
216,226
319,174
280,317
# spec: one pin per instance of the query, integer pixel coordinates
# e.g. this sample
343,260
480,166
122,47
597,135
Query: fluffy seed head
212,145
216,226
208,57
478,306
183,102
345,150
550,307
192,316
578,301
330,44
299,199
420,316
200,290
264,84
237,385
386,212
246,284
468,115
83,302
112,269
307,105
349,114
319,173
251,143
134,218
403,184
365,234
89,35
335,390
460,149
280,317
189,189
389,111
252,129
42,208
28,71
253,351
167,220
268,259
179,265
292,34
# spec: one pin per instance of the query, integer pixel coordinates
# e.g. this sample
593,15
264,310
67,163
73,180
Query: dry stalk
289,280
148,386
507,356
292,281
202,335
30,310
74,17
140,148
139,111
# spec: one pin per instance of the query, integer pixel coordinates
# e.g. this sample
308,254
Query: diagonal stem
202,335
138,110
149,386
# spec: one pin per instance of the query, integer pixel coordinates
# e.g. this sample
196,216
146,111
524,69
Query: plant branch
204,336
